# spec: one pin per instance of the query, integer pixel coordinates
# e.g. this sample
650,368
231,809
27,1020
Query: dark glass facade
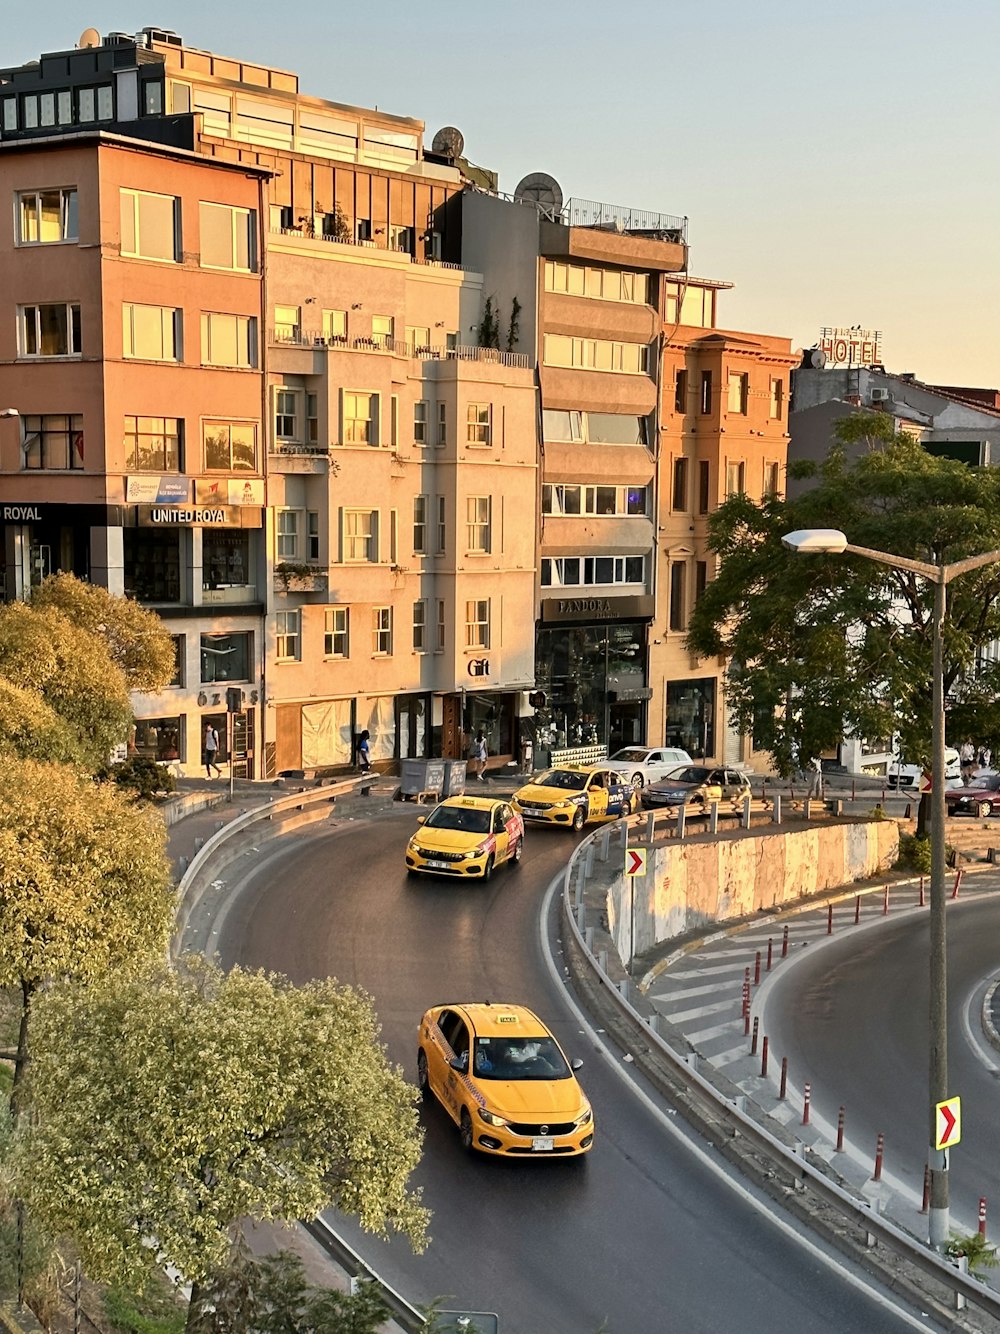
594,681
691,716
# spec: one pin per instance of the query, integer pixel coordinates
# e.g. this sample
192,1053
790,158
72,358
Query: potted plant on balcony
296,576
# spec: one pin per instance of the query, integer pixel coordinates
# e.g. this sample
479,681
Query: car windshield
468,819
691,773
572,780
989,783
631,755
519,1058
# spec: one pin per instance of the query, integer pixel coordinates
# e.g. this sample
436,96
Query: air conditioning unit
879,396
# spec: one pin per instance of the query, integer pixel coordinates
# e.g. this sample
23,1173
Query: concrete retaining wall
693,884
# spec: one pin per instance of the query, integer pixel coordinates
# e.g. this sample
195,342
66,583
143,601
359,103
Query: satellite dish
448,142
89,37
541,189
814,359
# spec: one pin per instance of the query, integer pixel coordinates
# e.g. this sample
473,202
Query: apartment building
322,484
650,416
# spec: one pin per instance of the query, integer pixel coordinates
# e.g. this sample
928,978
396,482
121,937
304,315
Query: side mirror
421,819
459,1063
576,1065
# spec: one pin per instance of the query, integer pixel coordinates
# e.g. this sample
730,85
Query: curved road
650,1232
867,995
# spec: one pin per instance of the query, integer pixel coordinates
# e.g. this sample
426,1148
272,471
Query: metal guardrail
876,1228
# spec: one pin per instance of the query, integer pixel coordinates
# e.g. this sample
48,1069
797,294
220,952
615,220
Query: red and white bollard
958,881
763,1058
885,902
783,1089
806,1100
784,941
770,942
921,891
857,909
756,970
840,1130
829,920
756,1028
879,1154
982,1216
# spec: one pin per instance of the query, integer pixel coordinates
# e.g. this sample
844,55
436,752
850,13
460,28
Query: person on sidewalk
364,752
967,761
479,754
211,748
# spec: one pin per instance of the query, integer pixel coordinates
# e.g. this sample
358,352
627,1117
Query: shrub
156,1310
914,854
144,776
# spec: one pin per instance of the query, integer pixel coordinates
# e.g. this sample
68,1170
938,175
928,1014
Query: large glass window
360,418
230,446
596,428
606,284
584,671
150,225
153,564
596,354
575,498
226,657
44,216
151,333
228,237
225,559
153,444
696,307
49,331
157,739
586,571
690,721
477,535
53,441
228,340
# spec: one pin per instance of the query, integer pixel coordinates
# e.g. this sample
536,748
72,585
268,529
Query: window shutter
341,536
394,421
393,532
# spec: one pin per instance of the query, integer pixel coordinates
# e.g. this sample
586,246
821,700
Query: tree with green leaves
84,884
818,646
169,1106
31,728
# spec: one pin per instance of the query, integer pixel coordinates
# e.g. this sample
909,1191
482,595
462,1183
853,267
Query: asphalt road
851,1016
650,1233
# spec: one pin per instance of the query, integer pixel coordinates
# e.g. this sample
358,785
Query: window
441,535
312,419
230,446
382,330
53,441
442,431
477,623
574,571
228,340
678,584
772,480
335,326
477,511
225,657
704,486
150,225
287,324
153,564
419,525
45,216
336,624
478,428
420,422
735,479
286,524
360,535
288,628
596,354
739,392
439,645
381,631
153,444
571,499
180,663
153,97
400,238
157,739
700,578
418,337
228,237
706,392
681,392
361,425
225,560
596,428
285,413
312,534
420,626
559,426
180,98
9,123
777,399
606,284
690,305
151,333
680,492
49,331
216,110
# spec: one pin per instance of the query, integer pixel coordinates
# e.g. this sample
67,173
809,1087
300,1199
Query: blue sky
838,161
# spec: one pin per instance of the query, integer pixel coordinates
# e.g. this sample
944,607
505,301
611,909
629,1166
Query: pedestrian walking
477,756
967,761
211,748
983,757
364,752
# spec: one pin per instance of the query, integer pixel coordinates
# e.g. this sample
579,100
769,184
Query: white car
902,775
645,764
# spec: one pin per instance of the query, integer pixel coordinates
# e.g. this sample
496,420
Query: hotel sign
852,346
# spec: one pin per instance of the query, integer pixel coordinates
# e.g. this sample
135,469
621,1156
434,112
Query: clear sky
838,161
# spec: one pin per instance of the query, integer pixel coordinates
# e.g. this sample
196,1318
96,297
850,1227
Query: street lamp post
830,541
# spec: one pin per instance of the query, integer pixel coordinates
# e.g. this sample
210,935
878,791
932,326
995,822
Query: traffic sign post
947,1124
635,862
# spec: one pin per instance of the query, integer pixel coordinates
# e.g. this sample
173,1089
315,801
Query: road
650,1232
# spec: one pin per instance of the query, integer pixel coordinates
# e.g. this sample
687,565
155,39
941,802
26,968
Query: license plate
542,1144
529,810
438,866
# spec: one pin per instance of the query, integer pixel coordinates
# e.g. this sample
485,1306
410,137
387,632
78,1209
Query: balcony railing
464,352
366,244
620,218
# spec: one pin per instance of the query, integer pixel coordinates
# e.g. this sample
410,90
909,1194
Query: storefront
591,666
691,716
42,539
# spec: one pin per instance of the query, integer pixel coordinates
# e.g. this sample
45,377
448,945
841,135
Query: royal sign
851,347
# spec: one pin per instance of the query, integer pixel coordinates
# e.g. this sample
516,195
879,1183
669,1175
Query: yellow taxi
467,837
504,1080
573,796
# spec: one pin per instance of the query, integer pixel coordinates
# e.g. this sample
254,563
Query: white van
907,776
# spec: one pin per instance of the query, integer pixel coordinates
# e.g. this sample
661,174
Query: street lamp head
9,412
816,541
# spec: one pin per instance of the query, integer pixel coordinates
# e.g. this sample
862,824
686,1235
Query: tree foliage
817,646
173,1104
84,881
30,727
135,637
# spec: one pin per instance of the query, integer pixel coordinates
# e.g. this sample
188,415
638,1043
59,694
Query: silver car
648,764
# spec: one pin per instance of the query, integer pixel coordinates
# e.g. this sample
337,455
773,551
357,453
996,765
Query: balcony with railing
369,245
588,229
319,342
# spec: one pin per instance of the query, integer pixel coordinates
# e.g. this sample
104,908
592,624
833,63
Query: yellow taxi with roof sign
504,1080
467,837
575,795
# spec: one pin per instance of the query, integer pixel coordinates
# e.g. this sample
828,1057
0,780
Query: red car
981,797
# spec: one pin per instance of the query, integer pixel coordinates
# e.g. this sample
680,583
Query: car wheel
984,808
638,781
465,1130
488,869
514,860
579,819
423,1083
628,805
